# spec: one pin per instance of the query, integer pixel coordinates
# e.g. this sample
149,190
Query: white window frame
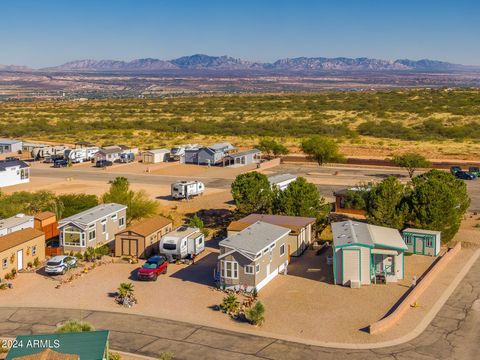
114,217
282,249
94,231
429,242
249,269
104,226
229,266
257,268
121,221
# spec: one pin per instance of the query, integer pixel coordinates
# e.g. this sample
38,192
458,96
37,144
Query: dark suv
60,163
103,163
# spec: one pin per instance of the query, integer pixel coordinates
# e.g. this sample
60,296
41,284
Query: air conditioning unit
355,284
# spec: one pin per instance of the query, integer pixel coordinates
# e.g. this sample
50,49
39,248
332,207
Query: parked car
60,264
60,163
474,170
464,175
103,163
153,267
455,169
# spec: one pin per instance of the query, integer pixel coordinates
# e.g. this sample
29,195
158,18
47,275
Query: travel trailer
42,152
80,155
183,242
187,189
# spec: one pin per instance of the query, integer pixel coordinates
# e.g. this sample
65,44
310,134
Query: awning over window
385,252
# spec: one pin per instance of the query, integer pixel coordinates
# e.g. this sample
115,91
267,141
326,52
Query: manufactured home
15,223
208,155
253,257
10,146
422,242
365,254
183,242
142,240
19,248
155,156
91,228
301,229
242,158
281,181
14,172
108,153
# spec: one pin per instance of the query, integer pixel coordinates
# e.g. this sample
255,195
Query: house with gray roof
208,155
365,253
15,223
14,172
242,158
91,228
10,146
281,181
253,257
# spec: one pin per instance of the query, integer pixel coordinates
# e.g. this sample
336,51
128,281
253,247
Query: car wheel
164,271
64,271
155,277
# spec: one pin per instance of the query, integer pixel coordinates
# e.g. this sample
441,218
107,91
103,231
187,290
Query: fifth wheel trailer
187,189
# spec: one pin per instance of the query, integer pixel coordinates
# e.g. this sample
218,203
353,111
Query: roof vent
20,215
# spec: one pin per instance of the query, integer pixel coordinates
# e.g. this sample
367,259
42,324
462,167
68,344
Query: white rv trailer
81,155
183,242
42,152
187,189
281,181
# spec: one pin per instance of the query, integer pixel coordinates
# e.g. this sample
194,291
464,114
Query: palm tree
125,290
72,326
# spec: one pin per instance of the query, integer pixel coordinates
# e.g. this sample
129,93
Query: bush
72,326
256,314
230,304
166,355
36,262
114,356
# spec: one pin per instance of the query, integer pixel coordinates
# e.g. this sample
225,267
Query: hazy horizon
50,33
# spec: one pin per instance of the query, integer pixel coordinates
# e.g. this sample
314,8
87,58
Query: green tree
27,202
256,314
72,326
411,162
76,203
386,205
252,193
270,146
438,202
198,222
137,202
321,149
356,199
302,198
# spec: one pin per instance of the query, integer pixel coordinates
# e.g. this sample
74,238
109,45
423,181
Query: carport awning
384,252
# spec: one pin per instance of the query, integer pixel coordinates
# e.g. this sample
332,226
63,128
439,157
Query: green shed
422,242
89,345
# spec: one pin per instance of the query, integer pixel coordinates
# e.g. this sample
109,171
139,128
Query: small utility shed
10,146
46,221
300,229
242,157
142,239
363,252
87,345
155,156
422,242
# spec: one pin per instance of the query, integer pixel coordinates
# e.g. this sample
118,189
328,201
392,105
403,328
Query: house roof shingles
48,354
18,237
276,179
148,226
44,215
5,164
94,214
294,223
16,220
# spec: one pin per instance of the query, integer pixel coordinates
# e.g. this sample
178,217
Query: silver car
60,264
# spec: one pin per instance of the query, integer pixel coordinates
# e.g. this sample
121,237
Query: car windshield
54,263
150,265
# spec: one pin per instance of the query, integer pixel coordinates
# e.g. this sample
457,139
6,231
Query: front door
19,259
418,245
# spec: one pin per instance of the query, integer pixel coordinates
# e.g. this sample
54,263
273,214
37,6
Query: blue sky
45,33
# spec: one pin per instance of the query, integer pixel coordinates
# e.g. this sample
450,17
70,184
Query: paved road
360,174
454,334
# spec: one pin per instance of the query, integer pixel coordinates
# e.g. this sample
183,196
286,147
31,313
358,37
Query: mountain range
201,62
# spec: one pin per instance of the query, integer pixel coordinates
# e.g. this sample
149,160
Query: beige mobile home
251,258
364,254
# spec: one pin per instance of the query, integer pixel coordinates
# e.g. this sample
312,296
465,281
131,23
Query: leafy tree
321,149
76,203
138,203
302,198
411,162
386,205
356,199
252,193
270,146
27,203
438,202
198,222
72,326
256,314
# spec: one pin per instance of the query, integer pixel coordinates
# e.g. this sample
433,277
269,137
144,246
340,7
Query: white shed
155,156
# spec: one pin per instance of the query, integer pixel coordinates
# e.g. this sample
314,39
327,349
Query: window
272,246
257,268
4,263
408,240
91,235
121,221
104,226
34,250
282,249
114,217
249,269
265,251
230,269
73,237
429,242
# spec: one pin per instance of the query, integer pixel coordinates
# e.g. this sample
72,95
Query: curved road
454,334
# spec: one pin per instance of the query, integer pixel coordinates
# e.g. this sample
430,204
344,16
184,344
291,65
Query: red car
152,268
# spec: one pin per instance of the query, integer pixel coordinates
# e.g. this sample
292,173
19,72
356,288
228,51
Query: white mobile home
10,146
422,242
281,181
364,254
15,223
183,242
13,172
155,156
